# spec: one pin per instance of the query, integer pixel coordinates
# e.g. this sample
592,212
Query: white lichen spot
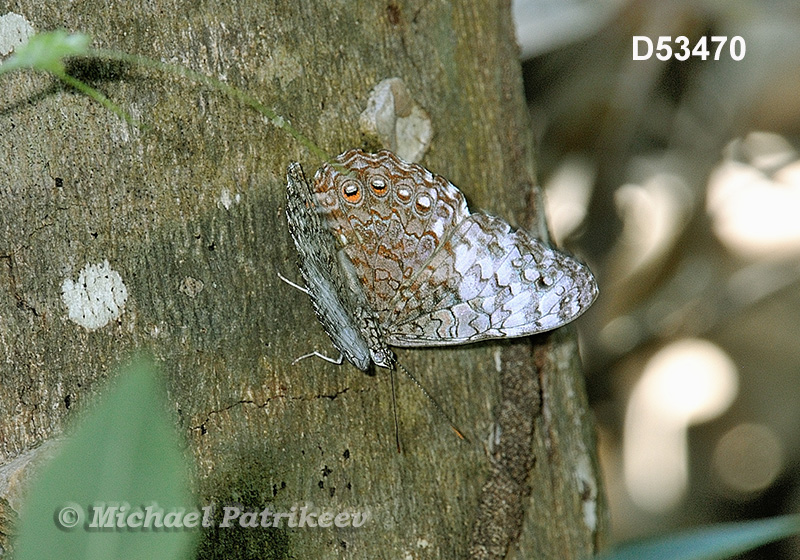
411,555
498,361
414,133
588,489
493,440
396,120
96,298
226,199
15,30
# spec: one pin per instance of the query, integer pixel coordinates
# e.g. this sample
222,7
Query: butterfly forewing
326,276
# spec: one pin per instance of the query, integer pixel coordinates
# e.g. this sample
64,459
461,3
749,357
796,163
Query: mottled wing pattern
488,281
325,275
389,216
404,262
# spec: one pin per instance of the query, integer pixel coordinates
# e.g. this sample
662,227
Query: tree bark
189,213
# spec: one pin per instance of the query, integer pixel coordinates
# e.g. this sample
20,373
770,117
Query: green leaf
710,543
125,450
45,51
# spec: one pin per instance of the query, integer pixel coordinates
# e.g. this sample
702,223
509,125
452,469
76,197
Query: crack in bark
202,426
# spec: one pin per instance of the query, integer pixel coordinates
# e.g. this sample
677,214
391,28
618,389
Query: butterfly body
392,256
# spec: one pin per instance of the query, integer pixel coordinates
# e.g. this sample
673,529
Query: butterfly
392,256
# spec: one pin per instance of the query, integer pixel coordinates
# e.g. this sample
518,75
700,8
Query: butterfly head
383,357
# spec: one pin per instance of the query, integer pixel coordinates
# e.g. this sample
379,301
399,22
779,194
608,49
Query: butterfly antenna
436,405
394,410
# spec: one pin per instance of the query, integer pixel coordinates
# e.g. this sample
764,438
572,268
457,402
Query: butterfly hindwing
388,215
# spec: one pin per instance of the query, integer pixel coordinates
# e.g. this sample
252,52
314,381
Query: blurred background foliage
679,183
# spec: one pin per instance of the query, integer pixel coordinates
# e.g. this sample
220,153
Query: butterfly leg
338,361
293,285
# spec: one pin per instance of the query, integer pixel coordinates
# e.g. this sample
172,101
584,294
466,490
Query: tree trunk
188,214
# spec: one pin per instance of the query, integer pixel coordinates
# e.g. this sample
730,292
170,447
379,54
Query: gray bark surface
189,212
